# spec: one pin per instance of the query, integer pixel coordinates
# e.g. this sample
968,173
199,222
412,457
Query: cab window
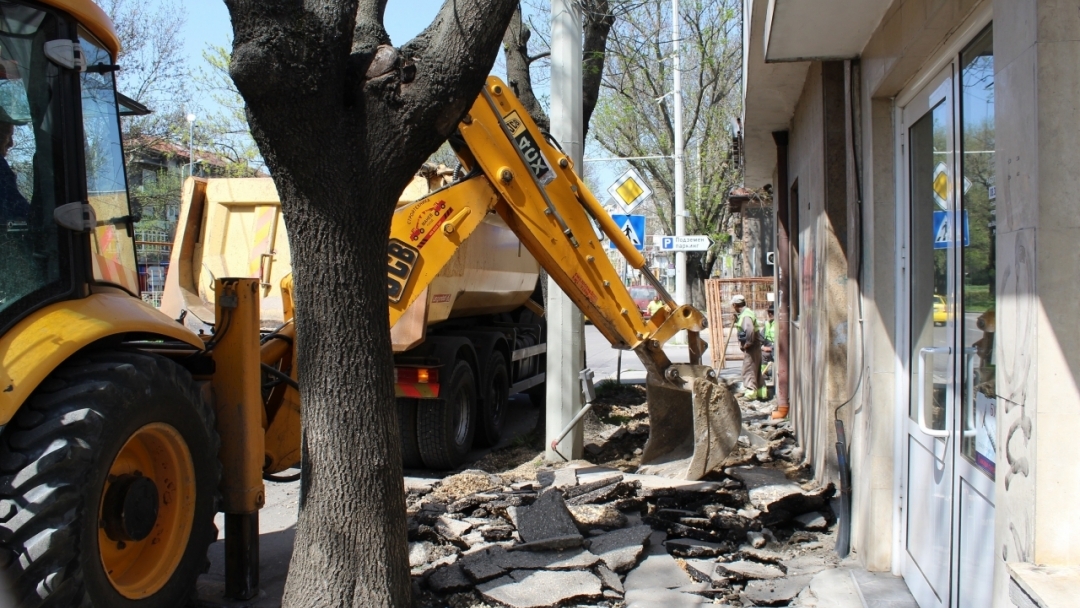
113,246
33,261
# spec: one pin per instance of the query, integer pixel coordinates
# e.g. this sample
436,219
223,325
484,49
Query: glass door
932,294
977,416
948,135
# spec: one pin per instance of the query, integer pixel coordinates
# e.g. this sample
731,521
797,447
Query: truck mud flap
692,429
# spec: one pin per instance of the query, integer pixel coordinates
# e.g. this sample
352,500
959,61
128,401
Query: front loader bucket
692,429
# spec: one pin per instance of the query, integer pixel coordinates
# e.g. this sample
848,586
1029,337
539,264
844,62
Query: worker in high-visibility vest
768,331
750,344
655,305
768,352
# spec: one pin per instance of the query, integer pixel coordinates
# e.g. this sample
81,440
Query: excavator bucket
694,423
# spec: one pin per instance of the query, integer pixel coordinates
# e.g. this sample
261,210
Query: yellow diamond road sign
629,191
941,185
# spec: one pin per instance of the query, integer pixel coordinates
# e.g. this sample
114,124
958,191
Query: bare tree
223,127
343,120
524,55
634,116
155,71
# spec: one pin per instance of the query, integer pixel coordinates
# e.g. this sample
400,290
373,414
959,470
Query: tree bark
597,22
518,68
343,120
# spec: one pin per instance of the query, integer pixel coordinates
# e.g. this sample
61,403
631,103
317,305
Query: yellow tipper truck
123,432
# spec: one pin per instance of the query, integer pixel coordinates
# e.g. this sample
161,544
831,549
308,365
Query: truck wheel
445,426
108,486
538,395
410,447
493,408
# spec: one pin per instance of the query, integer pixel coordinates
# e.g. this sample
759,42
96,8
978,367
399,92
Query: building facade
922,156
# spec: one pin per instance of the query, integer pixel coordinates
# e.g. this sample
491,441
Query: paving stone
779,498
596,516
804,564
777,592
655,482
594,483
764,485
620,549
484,565
546,518
751,570
572,559
419,553
495,561
552,544
663,598
451,529
689,547
701,570
449,578
812,521
541,588
610,579
565,478
605,493
764,555
657,571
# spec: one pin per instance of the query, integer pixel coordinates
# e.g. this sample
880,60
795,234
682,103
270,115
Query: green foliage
224,131
634,116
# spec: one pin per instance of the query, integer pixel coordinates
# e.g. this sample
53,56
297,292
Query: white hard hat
738,299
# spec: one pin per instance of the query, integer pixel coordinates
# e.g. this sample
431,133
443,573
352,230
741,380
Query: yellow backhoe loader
123,432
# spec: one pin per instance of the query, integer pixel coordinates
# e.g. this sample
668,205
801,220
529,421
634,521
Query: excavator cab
109,473
65,222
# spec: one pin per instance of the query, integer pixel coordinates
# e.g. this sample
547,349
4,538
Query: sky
208,23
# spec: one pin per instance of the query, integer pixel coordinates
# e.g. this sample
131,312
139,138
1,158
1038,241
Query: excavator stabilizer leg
692,427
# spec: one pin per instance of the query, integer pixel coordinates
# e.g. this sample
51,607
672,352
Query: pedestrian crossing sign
943,233
633,226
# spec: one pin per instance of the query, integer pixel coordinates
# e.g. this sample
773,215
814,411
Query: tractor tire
109,486
496,401
445,426
410,447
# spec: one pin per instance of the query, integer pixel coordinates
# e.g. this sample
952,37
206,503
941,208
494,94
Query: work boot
763,393
780,413
749,395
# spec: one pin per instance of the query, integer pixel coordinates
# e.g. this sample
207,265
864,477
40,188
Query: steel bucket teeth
691,430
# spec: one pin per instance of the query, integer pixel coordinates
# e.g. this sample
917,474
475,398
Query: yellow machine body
468,247
39,343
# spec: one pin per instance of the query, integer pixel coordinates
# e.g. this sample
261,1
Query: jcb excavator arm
516,172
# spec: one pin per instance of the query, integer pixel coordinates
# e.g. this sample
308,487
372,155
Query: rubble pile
588,535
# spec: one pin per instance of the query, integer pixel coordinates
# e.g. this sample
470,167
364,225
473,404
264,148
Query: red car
643,294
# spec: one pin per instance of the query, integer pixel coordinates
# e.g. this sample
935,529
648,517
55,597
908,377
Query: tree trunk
518,68
343,120
698,268
597,21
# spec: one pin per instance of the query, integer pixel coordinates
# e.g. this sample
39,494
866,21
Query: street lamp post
191,145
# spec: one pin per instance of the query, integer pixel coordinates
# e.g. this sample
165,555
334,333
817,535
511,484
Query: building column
566,328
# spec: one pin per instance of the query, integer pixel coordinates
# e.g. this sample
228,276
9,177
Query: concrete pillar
1037,83
566,328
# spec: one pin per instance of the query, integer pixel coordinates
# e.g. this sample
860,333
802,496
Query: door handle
969,391
923,352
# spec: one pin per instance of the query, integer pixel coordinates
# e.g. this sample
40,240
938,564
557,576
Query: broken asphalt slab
779,498
541,588
620,549
545,519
